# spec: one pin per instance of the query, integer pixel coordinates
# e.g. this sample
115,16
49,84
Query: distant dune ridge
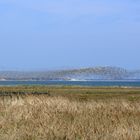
94,73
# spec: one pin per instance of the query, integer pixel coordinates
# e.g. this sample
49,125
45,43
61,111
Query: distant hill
95,73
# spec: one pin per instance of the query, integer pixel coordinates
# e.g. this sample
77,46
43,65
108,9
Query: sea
121,83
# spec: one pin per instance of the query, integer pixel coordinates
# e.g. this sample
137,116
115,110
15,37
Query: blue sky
50,34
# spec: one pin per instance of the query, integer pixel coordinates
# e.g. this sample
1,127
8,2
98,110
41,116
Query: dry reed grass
42,117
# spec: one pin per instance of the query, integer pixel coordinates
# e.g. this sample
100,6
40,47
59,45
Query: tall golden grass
42,117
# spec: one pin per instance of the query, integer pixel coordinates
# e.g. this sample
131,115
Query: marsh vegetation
69,113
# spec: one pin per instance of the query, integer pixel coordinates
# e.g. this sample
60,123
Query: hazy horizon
65,68
46,35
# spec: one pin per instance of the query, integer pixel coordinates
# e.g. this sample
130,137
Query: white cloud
66,7
74,8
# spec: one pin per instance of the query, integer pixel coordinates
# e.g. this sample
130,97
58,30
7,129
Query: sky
54,34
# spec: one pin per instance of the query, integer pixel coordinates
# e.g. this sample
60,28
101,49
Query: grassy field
69,113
